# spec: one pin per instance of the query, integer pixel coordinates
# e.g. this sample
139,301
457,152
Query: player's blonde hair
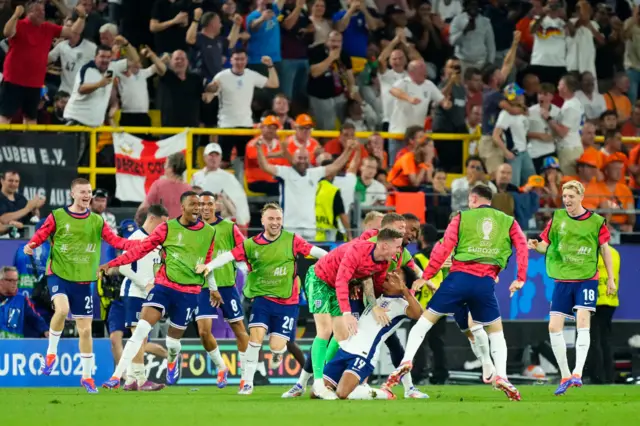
270,206
574,185
371,216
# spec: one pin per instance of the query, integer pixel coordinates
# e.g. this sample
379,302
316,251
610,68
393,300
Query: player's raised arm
41,235
303,247
114,240
139,248
522,253
237,254
136,278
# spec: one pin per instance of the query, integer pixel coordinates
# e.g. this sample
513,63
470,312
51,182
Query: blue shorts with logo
276,318
232,306
79,295
178,306
132,309
204,309
116,317
570,296
344,361
460,289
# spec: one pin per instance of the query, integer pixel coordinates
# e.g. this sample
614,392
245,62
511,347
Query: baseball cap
550,163
589,159
211,148
304,120
616,156
512,91
100,193
270,120
536,181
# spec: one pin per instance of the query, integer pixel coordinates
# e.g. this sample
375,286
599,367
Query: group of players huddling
359,293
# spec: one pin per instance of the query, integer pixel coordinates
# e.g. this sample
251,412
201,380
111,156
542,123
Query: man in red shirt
26,63
482,238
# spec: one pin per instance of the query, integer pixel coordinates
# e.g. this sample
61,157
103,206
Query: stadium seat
411,202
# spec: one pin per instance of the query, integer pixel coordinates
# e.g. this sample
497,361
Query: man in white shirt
369,191
236,87
73,53
134,95
139,279
216,180
541,140
568,125
549,54
592,101
299,186
414,95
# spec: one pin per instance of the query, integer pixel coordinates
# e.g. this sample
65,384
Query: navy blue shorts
460,289
79,295
357,307
275,318
461,317
116,318
204,309
178,306
132,309
571,296
344,361
232,306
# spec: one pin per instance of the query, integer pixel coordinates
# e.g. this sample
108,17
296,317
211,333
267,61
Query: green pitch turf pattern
448,406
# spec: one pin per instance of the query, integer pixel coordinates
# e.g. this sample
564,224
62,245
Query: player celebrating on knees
76,237
327,285
358,355
227,237
186,242
271,283
135,288
482,238
571,242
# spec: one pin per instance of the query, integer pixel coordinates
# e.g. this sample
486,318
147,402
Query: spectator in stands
587,170
347,181
115,11
375,149
414,169
297,33
134,95
355,23
588,139
552,187
236,88
632,127
432,39
14,207
474,86
613,145
6,12
302,139
608,121
617,99
169,22
214,179
299,187
392,64
60,101
438,200
472,36
73,54
541,140
321,25
414,95
330,82
583,36
337,146
369,191
476,174
447,9
548,57
258,180
25,65
568,126
412,137
331,213
592,101
503,15
609,54
108,34
17,311
280,107
632,53
264,26
503,179
92,88
452,120
93,22
99,206
531,87
373,220
361,116
168,189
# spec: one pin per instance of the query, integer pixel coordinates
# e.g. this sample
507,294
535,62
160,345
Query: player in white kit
347,372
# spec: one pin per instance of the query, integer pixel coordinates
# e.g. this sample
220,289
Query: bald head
417,71
179,62
504,174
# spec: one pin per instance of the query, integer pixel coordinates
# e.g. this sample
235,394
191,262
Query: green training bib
183,249
483,237
272,267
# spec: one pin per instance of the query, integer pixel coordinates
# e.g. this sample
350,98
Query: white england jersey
139,273
366,343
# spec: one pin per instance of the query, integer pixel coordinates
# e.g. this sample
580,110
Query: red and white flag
139,163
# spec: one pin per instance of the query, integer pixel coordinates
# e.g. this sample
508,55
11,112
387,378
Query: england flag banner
139,163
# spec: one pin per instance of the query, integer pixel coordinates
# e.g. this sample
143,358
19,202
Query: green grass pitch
448,406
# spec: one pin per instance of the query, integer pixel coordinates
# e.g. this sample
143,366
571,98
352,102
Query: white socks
136,373
559,347
416,337
407,382
366,393
173,348
583,340
54,338
86,360
499,353
132,347
251,362
217,359
242,356
303,380
480,344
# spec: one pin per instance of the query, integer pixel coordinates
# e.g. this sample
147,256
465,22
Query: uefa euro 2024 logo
486,230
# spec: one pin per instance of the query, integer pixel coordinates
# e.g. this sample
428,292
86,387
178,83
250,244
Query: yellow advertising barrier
93,170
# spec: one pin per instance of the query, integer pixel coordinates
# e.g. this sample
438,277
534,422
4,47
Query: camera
108,74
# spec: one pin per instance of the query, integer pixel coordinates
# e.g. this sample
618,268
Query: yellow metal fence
93,132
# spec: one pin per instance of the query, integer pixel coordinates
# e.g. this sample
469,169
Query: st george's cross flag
139,163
